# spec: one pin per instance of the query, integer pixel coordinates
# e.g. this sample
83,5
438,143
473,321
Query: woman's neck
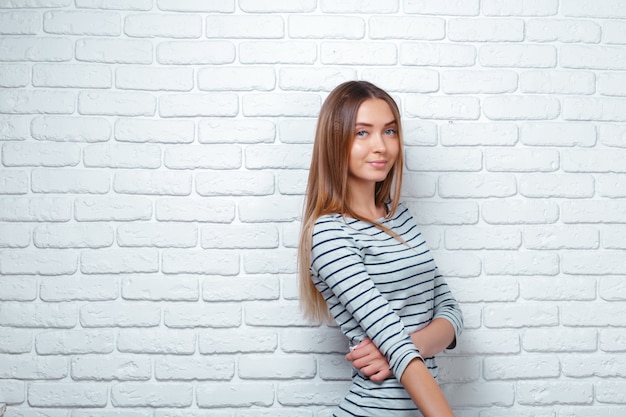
363,203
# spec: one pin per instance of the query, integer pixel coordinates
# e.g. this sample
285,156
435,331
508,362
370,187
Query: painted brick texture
153,160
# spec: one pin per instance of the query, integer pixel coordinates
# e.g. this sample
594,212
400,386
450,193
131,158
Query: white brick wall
153,156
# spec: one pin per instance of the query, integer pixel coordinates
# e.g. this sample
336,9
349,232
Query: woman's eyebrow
393,122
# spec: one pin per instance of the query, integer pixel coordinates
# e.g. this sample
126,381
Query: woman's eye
391,132
361,133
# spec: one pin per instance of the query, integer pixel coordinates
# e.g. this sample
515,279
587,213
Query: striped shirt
378,287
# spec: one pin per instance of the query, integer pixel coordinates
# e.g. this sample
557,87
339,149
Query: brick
557,82
36,3
13,182
66,394
93,288
593,263
37,262
111,367
19,23
154,79
592,57
40,154
612,340
38,315
202,368
136,394
436,159
406,27
308,341
605,109
266,313
239,236
521,160
170,341
472,291
325,27
274,262
335,368
551,393
472,81
122,156
197,6
214,262
415,80
151,25
558,134
278,52
14,127
349,53
114,51
242,288
264,366
237,79
560,340
86,235
215,394
520,211
313,79
458,264
519,8
115,4
82,23
442,107
480,394
580,366
12,392
595,160
606,8
612,84
77,181
437,54
559,237
192,105
116,103
37,49
33,367
417,185
71,129
611,392
477,185
613,32
269,209
14,75
614,237
600,211
558,288
297,130
292,182
152,183
14,235
237,340
116,261
278,156
236,131
116,314
195,53
50,209
521,56
154,130
64,75
512,107
225,183
15,341
280,104
160,288
249,26
191,210
18,289
475,134
520,316
482,238
36,101
452,213
112,208
214,315
445,7
531,366
561,30
554,185
157,235
485,30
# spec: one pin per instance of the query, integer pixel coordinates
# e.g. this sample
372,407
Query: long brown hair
327,187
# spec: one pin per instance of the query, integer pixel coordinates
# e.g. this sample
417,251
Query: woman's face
375,146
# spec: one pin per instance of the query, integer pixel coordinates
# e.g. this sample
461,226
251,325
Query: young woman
363,261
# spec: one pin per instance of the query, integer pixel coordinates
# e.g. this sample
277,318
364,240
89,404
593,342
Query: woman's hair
327,188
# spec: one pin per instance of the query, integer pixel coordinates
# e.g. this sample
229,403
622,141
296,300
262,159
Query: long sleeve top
379,287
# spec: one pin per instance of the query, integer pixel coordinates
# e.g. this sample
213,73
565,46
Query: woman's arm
425,391
430,341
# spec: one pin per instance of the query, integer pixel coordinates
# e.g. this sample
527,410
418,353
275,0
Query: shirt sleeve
337,266
447,307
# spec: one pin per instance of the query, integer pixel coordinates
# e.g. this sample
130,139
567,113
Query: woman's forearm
425,391
434,338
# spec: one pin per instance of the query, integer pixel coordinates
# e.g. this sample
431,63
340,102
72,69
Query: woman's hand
369,361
